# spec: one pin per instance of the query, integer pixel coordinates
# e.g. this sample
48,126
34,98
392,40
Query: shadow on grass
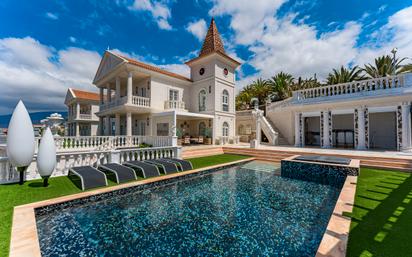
381,222
36,184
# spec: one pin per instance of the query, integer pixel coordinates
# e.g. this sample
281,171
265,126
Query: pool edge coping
24,238
335,238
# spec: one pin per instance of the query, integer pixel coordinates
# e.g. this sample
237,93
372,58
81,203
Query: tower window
225,100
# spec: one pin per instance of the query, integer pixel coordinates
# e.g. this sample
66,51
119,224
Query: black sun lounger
89,177
143,169
185,165
122,173
167,167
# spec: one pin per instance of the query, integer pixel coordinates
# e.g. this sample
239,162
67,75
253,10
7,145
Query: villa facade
82,107
369,114
145,100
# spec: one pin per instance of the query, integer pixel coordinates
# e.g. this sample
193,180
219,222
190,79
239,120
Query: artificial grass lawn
382,215
32,191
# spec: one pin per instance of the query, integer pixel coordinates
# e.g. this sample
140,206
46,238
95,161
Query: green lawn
33,191
382,215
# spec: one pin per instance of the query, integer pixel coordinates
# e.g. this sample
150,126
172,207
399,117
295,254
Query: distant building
82,108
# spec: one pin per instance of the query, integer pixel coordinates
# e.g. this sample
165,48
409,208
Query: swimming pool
229,212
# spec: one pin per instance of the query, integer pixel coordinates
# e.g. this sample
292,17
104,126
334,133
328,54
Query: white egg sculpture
20,139
46,156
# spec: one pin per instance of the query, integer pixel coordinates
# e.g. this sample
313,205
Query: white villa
82,107
145,100
368,114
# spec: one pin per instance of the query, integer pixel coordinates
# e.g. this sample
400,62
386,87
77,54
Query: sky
48,46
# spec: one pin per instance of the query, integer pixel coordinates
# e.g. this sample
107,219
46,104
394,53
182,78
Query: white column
117,88
406,126
129,124
129,87
174,128
326,135
108,126
117,123
361,129
77,129
109,93
101,96
297,130
77,111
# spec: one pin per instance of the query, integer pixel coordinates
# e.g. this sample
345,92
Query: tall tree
281,86
386,66
259,88
344,75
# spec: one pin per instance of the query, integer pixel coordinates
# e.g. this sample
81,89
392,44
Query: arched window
225,131
202,129
241,130
225,100
202,100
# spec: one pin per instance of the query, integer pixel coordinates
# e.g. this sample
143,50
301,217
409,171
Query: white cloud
52,16
40,75
160,11
197,28
285,44
73,39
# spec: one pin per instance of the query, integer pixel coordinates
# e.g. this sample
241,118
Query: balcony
85,116
175,105
137,101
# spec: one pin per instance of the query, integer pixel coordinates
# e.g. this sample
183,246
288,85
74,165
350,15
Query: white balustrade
65,161
224,140
375,84
178,105
84,116
141,101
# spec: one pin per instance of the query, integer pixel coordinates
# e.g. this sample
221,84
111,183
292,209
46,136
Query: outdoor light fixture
148,121
46,156
20,140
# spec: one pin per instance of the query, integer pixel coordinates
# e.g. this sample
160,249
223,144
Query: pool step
402,164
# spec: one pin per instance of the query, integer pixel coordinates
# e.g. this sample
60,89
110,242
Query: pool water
231,212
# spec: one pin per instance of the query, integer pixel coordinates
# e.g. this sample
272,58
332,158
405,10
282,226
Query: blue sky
48,46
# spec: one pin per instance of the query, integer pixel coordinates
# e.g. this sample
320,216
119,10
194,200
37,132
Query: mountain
36,117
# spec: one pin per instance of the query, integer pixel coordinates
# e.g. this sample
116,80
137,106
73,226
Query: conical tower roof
213,42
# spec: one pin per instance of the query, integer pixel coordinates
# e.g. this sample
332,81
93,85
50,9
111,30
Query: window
202,129
162,129
202,100
241,130
225,100
248,129
225,131
173,95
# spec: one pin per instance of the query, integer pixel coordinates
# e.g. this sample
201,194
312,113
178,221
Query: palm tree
306,83
259,88
386,66
344,75
281,85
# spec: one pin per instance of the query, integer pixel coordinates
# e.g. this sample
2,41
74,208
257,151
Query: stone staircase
390,163
281,139
192,152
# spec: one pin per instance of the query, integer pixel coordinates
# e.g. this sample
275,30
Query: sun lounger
122,173
145,170
185,165
89,177
167,167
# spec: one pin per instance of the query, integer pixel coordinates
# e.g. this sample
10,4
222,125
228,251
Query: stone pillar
129,124
129,87
406,126
101,96
298,143
118,88
117,123
77,129
108,126
361,129
326,130
77,111
109,93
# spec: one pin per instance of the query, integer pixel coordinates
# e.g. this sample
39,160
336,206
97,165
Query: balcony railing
84,116
356,87
137,101
179,105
